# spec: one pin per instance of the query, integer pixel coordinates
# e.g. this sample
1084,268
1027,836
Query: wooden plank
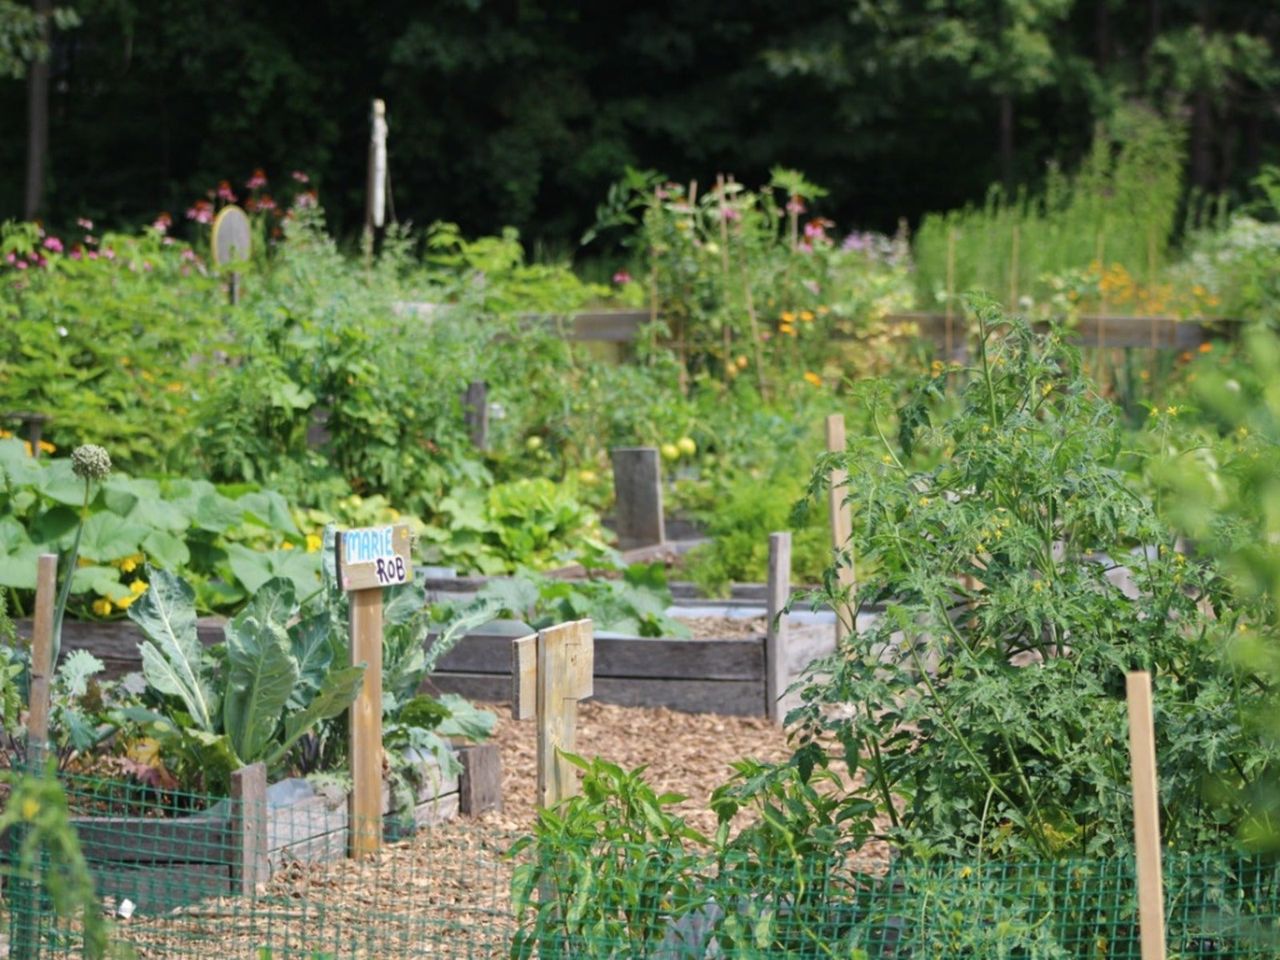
162,887
249,828
841,525
480,786
475,412
557,717
740,698
775,657
737,659
42,657
193,839
115,643
637,487
1146,815
524,671
366,723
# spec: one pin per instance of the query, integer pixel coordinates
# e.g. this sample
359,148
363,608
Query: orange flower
813,378
1205,347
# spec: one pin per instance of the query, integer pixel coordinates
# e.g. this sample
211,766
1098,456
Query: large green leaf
18,556
254,568
55,527
268,509
276,601
171,654
161,515
58,483
165,549
108,537
313,649
261,675
338,692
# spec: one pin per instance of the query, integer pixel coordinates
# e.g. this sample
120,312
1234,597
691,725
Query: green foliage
227,541
1120,207
633,605
739,526
988,714
247,701
607,869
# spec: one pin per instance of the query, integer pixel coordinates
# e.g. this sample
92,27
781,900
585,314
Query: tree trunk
1006,142
38,117
1102,34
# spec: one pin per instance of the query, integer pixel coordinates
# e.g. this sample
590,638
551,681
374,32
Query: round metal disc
231,236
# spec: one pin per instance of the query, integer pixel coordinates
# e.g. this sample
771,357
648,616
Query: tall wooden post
368,560
366,723
637,489
841,530
775,639
1146,815
42,665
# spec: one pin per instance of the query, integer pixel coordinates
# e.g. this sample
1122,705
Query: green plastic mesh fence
196,877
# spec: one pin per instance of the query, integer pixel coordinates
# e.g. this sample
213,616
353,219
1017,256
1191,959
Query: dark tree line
523,111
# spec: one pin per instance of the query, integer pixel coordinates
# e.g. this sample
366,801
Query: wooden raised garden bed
159,864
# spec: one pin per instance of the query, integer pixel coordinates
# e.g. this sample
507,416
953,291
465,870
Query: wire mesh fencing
184,876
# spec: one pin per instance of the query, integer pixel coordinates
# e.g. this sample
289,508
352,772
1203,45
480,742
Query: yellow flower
806,316
1171,411
173,386
128,564
5,434
124,602
789,330
30,807
286,545
966,872
314,542
138,587
923,501
83,562
823,311
886,459
813,378
101,606
1242,431
47,447
1046,389
787,316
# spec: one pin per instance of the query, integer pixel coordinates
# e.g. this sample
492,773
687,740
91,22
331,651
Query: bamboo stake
951,290
841,528
726,330
1013,270
775,641
1146,816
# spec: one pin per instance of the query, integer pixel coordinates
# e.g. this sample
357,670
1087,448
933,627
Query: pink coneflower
815,230
732,214
189,255
300,177
84,223
53,244
20,264
257,181
162,223
76,254
622,278
795,205
305,200
109,254
201,212
225,192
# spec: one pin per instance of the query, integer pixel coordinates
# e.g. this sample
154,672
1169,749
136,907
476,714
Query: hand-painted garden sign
231,236
374,557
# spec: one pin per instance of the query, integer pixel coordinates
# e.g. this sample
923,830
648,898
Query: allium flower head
90,462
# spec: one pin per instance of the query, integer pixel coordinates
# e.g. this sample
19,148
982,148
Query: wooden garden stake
1146,815
951,290
1013,269
841,527
368,560
550,674
726,331
775,640
41,659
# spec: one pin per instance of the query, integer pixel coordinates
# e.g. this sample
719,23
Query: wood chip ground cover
445,892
